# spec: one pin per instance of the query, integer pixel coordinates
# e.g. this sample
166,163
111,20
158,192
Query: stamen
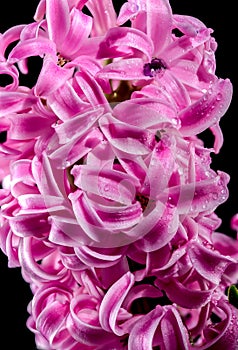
61,60
157,65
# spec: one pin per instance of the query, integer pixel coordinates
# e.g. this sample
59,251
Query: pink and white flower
108,196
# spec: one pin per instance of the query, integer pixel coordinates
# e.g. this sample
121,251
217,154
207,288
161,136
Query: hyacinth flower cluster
108,195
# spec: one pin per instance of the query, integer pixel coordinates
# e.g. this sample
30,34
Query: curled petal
178,49
186,296
188,25
112,302
208,110
217,132
31,268
202,196
68,154
128,11
51,321
12,72
122,41
208,263
99,234
174,333
162,233
98,258
11,35
32,47
141,335
224,334
83,322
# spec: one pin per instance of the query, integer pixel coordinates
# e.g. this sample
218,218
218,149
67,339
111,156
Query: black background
220,16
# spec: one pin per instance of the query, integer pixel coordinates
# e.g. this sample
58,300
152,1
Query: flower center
61,60
122,93
157,65
143,200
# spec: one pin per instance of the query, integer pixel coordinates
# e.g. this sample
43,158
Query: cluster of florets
108,196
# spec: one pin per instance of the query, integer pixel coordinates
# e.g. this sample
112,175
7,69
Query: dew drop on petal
106,188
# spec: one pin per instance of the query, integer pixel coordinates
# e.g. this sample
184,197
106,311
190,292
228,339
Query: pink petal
79,31
11,35
51,319
125,137
224,334
51,77
27,126
77,126
187,24
126,69
66,231
203,196
71,152
98,258
92,90
58,21
174,87
185,296
210,264
208,110
83,322
128,11
174,333
40,10
66,103
145,113
12,72
103,14
13,101
32,47
93,226
110,184
120,42
162,233
36,271
159,23
112,302
141,335
182,46
218,134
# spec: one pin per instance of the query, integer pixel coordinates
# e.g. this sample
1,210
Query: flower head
108,194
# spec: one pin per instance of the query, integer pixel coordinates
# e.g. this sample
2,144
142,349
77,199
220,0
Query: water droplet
214,196
143,139
208,245
175,121
66,164
106,188
134,7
